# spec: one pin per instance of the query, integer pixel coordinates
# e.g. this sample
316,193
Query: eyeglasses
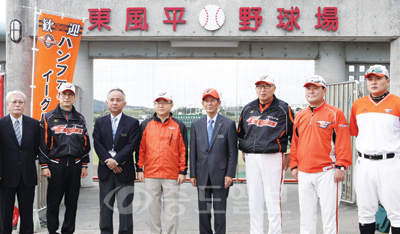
17,101
162,103
70,95
260,87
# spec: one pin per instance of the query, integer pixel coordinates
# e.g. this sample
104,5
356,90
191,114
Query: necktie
210,129
18,133
114,126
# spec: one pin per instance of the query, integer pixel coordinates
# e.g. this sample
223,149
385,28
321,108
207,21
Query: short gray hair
9,94
116,89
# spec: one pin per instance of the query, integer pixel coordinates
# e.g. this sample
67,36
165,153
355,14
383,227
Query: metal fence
342,95
41,191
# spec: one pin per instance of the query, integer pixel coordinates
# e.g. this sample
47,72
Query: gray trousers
169,190
109,189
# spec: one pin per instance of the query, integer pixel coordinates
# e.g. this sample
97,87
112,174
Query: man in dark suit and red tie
213,159
19,146
116,136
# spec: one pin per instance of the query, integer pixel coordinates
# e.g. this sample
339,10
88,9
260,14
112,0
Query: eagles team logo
48,41
388,111
69,86
324,124
261,122
263,78
62,129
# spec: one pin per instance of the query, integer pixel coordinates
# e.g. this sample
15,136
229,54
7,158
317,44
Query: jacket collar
155,117
274,103
318,107
72,114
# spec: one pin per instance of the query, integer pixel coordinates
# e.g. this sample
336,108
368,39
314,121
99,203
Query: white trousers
378,180
264,177
169,190
322,186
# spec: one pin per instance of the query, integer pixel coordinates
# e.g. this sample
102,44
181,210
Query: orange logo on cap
263,77
209,91
162,94
68,86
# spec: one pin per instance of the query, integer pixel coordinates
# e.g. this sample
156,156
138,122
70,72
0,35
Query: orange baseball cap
210,92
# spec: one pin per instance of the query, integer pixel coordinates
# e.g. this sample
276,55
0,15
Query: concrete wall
358,20
84,79
395,68
2,52
19,55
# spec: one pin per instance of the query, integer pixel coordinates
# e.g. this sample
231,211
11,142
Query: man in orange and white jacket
162,164
320,153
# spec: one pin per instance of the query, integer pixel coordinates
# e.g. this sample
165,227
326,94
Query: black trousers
216,197
110,188
65,182
25,197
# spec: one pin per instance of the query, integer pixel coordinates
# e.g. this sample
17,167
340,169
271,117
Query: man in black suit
213,159
115,137
19,146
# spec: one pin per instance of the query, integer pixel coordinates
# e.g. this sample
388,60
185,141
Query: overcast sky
187,79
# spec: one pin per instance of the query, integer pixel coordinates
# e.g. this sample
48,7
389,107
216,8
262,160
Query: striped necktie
17,130
114,126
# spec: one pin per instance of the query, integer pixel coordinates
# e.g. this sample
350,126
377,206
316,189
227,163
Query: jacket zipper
258,130
172,134
69,145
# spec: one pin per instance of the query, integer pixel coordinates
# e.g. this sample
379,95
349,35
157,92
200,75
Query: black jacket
126,141
18,162
266,132
64,137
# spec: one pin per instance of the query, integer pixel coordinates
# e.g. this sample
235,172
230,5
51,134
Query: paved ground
237,215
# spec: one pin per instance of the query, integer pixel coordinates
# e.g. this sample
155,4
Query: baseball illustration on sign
211,17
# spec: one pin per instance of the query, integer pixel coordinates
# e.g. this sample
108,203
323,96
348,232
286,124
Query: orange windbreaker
321,140
163,148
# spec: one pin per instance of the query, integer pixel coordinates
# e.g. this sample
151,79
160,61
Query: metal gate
342,95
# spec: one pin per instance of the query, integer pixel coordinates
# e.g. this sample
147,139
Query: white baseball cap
378,70
163,95
66,86
315,80
265,79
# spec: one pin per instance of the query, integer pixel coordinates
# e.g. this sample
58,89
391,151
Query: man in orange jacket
320,153
162,164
